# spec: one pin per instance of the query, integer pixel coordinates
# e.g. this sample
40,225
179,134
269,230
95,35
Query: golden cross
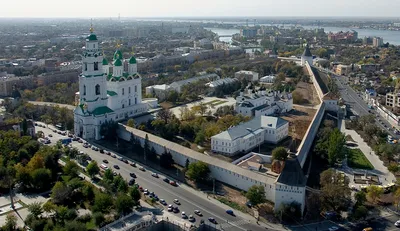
91,26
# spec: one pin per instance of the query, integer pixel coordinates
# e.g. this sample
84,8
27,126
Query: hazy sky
198,8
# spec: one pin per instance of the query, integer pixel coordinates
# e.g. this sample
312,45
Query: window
85,66
129,101
96,66
123,91
129,90
135,88
123,105
97,89
84,89
135,100
94,45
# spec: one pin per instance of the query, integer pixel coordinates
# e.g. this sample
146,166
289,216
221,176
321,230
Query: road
356,102
189,200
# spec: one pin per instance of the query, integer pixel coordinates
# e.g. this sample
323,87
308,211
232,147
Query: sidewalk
380,170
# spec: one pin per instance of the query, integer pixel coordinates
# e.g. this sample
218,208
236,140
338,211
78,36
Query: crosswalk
234,223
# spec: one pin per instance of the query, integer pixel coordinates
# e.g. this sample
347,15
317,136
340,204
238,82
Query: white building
246,136
252,103
177,86
377,42
220,82
105,95
306,56
267,79
250,76
159,91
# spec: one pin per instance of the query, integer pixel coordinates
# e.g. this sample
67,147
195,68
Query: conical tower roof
307,52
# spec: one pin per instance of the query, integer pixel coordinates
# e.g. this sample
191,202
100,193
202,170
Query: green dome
117,55
117,63
132,60
105,62
91,37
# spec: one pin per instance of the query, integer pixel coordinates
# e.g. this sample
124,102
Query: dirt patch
166,105
308,92
299,121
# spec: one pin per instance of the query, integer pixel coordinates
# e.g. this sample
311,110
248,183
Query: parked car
116,166
163,202
176,201
198,213
212,220
131,182
108,153
154,175
133,164
101,151
176,209
230,212
397,223
173,183
191,218
166,180
105,161
183,215
132,174
142,169
170,208
113,156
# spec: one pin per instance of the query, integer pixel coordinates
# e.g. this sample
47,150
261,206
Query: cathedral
107,91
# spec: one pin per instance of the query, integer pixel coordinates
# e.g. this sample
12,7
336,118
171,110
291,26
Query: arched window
85,66
123,91
84,89
135,100
129,90
97,88
96,66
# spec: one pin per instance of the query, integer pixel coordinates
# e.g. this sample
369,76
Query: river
393,37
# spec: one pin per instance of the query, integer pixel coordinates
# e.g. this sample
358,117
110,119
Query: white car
170,208
183,214
191,218
397,223
176,201
154,175
333,228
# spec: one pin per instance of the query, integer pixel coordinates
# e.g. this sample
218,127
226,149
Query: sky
198,8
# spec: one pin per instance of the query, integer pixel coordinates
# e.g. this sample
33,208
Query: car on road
397,223
166,180
154,175
176,209
132,174
113,156
108,153
163,202
85,145
176,201
183,215
198,213
333,228
116,166
131,182
101,151
212,220
115,173
142,169
191,218
120,158
50,135
170,208
125,161
230,212
105,161
146,191
133,164
173,183
80,141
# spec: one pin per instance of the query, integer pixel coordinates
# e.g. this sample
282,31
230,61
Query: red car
141,188
173,183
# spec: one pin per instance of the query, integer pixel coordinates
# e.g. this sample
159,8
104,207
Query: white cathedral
106,95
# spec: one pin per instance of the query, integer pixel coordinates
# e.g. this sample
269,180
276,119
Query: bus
103,167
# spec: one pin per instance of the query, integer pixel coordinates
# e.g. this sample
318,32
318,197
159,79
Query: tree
11,222
374,192
75,226
102,202
124,204
71,169
135,194
92,169
35,209
166,160
360,197
131,123
256,194
198,171
165,115
172,96
360,212
201,108
60,193
187,162
396,198
98,218
336,149
335,192
322,53
41,178
108,175
279,153
88,192
298,98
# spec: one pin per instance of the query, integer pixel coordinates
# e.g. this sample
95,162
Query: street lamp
252,132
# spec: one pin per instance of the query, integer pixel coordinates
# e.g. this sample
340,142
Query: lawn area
357,159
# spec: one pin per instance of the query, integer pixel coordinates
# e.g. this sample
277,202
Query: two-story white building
257,103
246,136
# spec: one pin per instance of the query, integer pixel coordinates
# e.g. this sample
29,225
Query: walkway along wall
220,170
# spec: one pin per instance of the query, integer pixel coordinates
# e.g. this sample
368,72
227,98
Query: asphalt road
356,102
189,201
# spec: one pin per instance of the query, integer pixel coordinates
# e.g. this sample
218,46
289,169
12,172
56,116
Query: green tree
41,178
335,192
279,153
256,194
131,123
200,108
360,212
108,175
374,192
124,204
172,96
92,169
11,222
198,171
360,197
35,209
336,148
60,193
71,169
75,226
322,53
98,218
166,160
102,202
88,192
135,194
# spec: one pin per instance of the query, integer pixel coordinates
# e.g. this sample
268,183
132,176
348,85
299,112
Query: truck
66,141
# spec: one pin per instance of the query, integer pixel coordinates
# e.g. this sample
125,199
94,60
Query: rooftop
101,110
292,174
256,123
194,79
307,52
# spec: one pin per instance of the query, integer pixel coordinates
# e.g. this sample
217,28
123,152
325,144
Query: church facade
107,91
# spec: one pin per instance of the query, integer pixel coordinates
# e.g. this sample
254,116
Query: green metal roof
91,37
102,110
132,60
105,62
117,55
117,63
111,93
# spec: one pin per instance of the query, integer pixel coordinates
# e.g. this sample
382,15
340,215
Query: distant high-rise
377,42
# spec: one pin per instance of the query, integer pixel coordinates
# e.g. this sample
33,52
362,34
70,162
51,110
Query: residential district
119,124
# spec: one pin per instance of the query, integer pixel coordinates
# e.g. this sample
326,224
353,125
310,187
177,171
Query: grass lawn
357,159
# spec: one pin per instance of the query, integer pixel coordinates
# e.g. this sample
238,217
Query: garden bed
357,159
